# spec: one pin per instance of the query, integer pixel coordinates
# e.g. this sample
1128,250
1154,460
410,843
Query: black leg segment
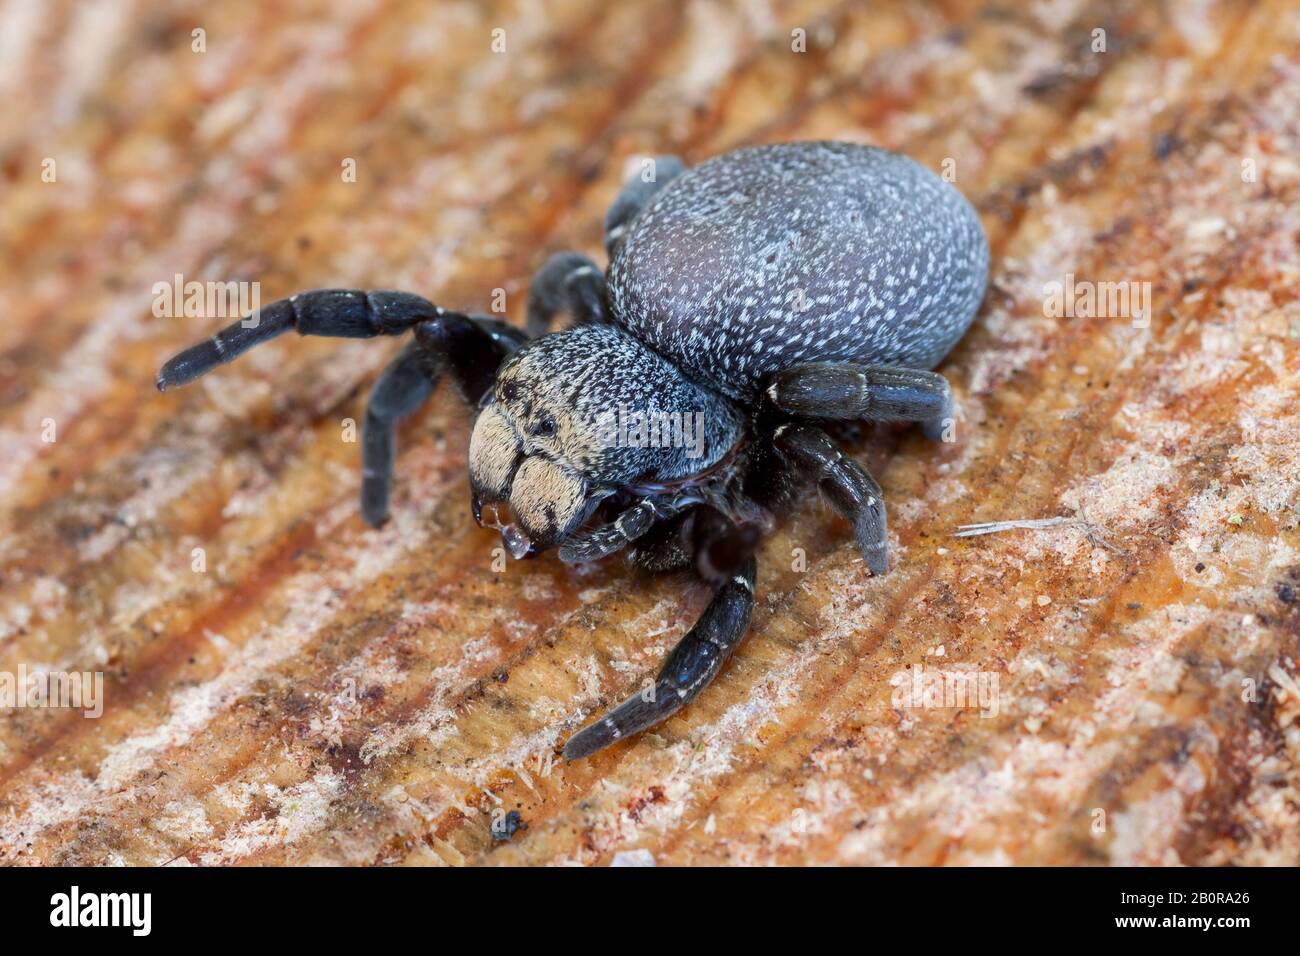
848,390
470,349
402,388
569,282
847,486
631,524
340,313
693,663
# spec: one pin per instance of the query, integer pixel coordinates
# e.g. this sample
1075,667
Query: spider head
544,445
518,461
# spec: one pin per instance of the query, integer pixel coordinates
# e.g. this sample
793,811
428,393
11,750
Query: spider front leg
847,486
470,348
724,555
851,390
339,313
401,389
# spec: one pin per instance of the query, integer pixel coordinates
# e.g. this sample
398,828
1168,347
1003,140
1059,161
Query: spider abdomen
768,257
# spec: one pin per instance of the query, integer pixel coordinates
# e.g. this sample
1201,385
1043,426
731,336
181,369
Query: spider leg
630,525
847,486
402,388
636,192
661,548
341,313
568,282
724,554
851,390
471,349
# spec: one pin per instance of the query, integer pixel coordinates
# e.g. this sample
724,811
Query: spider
746,299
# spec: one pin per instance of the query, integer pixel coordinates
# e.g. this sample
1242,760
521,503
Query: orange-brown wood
323,692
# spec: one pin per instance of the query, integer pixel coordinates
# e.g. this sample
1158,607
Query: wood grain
323,692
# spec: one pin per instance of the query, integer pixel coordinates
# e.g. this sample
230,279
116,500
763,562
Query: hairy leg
402,388
631,524
847,486
340,313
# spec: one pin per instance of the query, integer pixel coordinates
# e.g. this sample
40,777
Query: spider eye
509,392
545,428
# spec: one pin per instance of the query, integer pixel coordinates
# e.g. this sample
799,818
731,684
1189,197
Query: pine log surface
323,692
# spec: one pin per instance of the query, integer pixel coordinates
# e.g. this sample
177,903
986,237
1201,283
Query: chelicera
746,299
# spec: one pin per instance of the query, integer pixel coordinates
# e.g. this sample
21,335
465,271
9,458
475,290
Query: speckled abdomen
767,257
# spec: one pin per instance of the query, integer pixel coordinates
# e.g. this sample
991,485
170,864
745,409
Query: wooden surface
324,692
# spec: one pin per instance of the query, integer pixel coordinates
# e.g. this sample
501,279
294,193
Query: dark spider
745,298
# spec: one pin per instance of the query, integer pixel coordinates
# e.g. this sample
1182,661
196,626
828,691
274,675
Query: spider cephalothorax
745,299
570,420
